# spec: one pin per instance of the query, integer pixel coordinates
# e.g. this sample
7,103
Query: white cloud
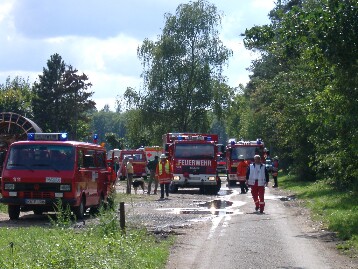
102,40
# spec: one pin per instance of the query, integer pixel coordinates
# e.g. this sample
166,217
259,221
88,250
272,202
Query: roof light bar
47,136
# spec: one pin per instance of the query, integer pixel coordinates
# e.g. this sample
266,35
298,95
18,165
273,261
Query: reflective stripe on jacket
164,175
160,168
254,173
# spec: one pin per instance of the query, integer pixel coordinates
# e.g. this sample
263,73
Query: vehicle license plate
53,180
35,202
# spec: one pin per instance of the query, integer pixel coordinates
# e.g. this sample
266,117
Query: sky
100,38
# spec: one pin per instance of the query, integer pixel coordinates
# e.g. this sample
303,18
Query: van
47,168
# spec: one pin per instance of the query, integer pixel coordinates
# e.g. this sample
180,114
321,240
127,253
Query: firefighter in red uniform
241,174
164,175
274,172
258,177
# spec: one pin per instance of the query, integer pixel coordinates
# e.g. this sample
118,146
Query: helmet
275,158
241,157
163,156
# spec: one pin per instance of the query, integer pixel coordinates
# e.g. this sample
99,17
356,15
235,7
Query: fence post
122,219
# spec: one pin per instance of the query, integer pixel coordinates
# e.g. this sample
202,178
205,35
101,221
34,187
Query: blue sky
100,38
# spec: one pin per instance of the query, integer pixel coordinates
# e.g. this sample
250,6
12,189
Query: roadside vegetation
67,244
336,209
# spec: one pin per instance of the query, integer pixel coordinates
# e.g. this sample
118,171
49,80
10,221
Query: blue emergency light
47,136
95,138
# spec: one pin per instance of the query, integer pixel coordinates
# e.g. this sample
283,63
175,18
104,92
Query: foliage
101,246
183,72
335,209
110,127
63,216
303,91
61,102
16,96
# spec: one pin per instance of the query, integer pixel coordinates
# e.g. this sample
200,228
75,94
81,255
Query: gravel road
223,231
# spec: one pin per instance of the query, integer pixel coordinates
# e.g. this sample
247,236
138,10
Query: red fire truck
246,148
193,159
139,163
47,167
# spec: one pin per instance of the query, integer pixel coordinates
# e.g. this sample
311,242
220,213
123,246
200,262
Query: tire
79,211
14,211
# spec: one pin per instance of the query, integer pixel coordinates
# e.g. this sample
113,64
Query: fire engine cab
193,160
248,149
47,167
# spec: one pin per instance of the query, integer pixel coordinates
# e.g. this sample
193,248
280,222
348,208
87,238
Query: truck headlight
65,187
176,177
211,178
9,186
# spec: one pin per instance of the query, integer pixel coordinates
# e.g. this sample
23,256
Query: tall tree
16,96
310,89
61,101
183,70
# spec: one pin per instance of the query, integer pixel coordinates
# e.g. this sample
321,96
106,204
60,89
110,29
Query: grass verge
100,245
337,210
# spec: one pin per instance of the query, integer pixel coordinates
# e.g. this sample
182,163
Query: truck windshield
194,151
41,157
247,152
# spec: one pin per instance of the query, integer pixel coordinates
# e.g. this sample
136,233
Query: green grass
337,210
101,245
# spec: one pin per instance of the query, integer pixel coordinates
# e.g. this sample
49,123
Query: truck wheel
79,211
14,211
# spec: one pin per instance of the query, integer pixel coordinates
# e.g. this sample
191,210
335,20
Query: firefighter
241,174
163,175
130,171
274,172
257,177
152,166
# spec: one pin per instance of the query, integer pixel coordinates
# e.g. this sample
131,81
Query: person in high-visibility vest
164,175
241,174
258,178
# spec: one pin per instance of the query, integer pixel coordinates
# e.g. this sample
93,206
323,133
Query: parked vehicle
221,164
47,167
193,159
248,149
139,163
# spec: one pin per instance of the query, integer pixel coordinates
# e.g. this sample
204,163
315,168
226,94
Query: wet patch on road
214,208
